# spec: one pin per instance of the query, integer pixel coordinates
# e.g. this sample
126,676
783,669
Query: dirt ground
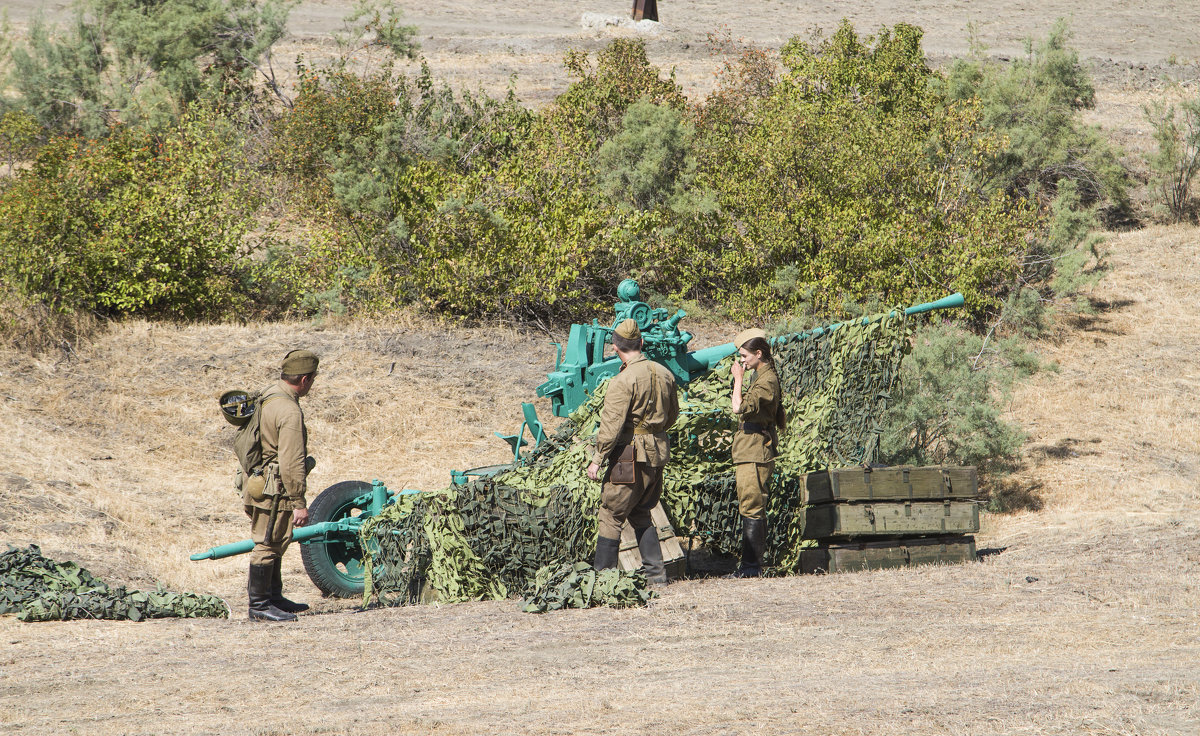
1082,619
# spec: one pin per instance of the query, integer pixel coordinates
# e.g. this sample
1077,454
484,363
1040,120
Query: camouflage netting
37,588
488,539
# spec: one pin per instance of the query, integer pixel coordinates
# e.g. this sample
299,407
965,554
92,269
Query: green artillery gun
330,545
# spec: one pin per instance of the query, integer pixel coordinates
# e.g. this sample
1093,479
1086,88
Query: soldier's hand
593,471
738,369
299,517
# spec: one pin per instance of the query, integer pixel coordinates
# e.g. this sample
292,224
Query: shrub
850,178
130,224
947,409
1034,103
1176,159
134,62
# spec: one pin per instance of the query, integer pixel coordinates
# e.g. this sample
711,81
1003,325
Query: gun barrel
708,358
299,534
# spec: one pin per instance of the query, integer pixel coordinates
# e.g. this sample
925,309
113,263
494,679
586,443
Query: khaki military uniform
284,447
756,441
641,404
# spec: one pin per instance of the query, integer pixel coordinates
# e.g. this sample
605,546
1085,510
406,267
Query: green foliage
848,178
135,62
1175,161
131,224
949,405
1034,102
649,162
19,134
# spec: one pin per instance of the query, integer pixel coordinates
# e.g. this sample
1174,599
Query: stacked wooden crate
870,518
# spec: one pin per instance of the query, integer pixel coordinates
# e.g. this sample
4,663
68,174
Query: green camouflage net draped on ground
37,588
582,586
490,537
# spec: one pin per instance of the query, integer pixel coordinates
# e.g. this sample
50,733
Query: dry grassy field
1082,619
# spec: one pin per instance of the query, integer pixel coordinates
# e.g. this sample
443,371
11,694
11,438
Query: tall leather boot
258,588
277,598
652,561
606,553
754,547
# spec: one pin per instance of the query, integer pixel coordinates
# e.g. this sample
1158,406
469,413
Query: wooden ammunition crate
891,519
887,554
672,551
888,484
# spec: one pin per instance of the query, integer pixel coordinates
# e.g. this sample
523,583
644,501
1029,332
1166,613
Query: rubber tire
331,567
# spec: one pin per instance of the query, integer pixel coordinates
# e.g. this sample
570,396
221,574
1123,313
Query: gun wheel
335,566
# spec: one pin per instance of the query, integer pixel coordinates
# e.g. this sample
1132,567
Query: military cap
629,330
746,336
300,362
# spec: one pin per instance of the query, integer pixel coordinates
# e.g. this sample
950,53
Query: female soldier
755,443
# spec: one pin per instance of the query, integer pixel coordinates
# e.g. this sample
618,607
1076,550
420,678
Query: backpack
244,410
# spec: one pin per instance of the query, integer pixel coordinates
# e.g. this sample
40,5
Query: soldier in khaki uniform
755,443
283,481
640,406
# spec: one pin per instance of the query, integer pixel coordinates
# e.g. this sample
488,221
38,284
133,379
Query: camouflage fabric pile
37,588
581,586
491,536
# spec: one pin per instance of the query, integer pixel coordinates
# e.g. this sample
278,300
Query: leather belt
751,427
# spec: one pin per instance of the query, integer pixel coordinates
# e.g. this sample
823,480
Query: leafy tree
19,134
1035,102
135,62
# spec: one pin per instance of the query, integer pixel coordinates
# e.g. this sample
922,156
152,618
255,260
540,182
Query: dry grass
1084,621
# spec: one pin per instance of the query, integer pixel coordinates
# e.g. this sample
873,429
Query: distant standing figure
645,10
755,443
277,493
641,404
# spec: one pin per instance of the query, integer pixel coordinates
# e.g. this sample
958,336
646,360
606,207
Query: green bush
131,224
948,407
140,62
849,178
1176,159
1034,102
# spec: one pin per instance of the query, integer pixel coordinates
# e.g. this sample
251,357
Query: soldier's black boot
606,553
277,598
652,561
258,588
754,547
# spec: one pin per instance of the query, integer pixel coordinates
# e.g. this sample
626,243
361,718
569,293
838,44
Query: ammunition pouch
621,465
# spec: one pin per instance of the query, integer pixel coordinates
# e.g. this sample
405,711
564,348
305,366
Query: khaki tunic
642,395
284,440
642,402
761,405
754,452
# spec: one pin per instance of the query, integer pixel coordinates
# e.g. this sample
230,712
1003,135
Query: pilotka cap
300,362
746,336
629,330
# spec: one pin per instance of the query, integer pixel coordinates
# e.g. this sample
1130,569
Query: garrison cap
300,362
746,336
629,330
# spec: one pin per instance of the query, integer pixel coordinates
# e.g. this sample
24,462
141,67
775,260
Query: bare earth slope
1083,621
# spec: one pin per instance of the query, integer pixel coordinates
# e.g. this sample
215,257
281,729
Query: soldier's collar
640,357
